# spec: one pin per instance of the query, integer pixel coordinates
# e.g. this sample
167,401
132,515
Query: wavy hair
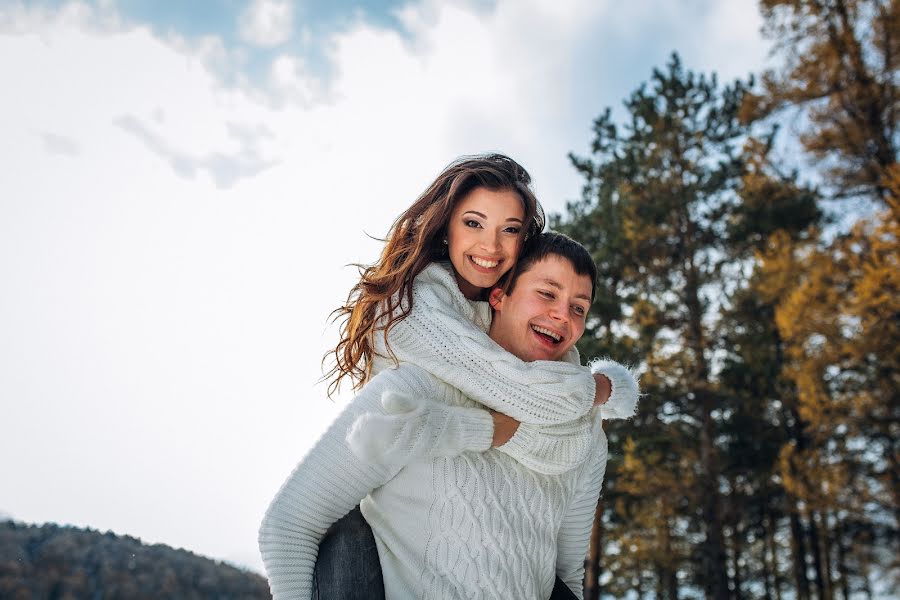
414,240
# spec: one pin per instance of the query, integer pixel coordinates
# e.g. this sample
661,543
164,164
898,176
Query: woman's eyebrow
484,216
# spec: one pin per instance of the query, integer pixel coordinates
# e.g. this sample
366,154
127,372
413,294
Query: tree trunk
771,527
822,587
843,571
798,545
592,562
736,552
670,576
714,554
715,558
825,538
766,564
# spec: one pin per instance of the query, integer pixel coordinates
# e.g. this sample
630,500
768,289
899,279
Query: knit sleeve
439,336
575,530
554,449
417,428
324,487
551,449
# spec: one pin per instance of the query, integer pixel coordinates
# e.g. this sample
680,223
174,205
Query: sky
184,185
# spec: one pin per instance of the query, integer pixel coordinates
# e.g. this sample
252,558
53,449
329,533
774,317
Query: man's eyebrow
557,285
484,216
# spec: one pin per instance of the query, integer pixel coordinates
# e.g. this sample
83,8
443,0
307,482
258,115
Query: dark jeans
348,565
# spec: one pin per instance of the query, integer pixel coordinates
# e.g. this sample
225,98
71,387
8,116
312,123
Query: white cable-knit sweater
460,525
446,334
476,525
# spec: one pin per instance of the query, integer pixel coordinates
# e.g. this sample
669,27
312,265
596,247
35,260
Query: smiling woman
479,207
483,238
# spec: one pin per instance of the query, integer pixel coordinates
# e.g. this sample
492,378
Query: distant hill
66,563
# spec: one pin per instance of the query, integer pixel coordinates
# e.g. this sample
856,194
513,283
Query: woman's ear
496,298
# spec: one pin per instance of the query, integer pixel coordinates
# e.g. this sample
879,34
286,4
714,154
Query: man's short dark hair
540,246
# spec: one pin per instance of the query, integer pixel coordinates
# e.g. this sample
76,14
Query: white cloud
170,246
266,23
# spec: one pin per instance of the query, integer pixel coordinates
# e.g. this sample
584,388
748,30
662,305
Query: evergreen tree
840,63
663,189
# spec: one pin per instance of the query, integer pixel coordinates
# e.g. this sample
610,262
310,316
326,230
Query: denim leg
348,565
561,591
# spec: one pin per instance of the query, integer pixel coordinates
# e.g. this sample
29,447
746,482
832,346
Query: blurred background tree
752,276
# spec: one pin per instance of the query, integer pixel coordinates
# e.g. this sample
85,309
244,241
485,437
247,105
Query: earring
445,241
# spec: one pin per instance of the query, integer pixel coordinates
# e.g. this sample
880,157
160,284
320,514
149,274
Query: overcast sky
183,183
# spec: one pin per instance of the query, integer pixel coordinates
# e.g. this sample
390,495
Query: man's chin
544,354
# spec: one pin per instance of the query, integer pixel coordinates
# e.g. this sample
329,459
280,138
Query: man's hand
604,389
504,428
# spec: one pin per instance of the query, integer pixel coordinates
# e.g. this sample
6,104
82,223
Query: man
450,524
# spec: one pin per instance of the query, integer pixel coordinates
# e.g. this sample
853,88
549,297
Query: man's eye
546,294
579,310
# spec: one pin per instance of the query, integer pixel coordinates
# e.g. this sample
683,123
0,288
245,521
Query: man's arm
324,487
575,531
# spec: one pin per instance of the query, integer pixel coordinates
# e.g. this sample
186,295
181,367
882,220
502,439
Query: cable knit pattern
477,525
551,449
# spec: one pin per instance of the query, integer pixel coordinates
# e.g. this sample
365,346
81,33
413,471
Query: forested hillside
58,563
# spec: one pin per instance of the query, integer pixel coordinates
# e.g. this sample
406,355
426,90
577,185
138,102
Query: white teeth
487,264
555,336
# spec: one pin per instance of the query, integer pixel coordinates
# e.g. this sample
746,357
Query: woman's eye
513,230
471,223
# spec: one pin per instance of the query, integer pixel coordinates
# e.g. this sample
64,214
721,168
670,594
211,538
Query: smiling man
456,519
546,319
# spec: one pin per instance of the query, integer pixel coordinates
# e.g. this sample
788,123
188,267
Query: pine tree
840,63
662,189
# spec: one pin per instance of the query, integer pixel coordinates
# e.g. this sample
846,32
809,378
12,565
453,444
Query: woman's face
483,238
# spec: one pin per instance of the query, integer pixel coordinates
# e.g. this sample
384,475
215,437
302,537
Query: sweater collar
440,276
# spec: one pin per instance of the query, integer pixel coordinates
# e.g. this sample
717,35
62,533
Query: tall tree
667,183
840,64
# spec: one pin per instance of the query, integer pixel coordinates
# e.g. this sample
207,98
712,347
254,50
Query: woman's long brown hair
415,240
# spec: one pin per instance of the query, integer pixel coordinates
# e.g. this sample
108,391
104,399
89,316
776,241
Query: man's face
544,315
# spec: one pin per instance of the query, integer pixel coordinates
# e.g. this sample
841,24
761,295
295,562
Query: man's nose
559,311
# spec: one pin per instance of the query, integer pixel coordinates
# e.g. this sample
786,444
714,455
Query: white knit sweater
477,525
446,334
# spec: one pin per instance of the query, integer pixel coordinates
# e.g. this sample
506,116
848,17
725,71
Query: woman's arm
325,486
575,531
440,336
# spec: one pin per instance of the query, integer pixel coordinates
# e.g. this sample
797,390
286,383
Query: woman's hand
504,428
417,428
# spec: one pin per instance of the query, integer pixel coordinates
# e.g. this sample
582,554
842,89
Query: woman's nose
490,242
